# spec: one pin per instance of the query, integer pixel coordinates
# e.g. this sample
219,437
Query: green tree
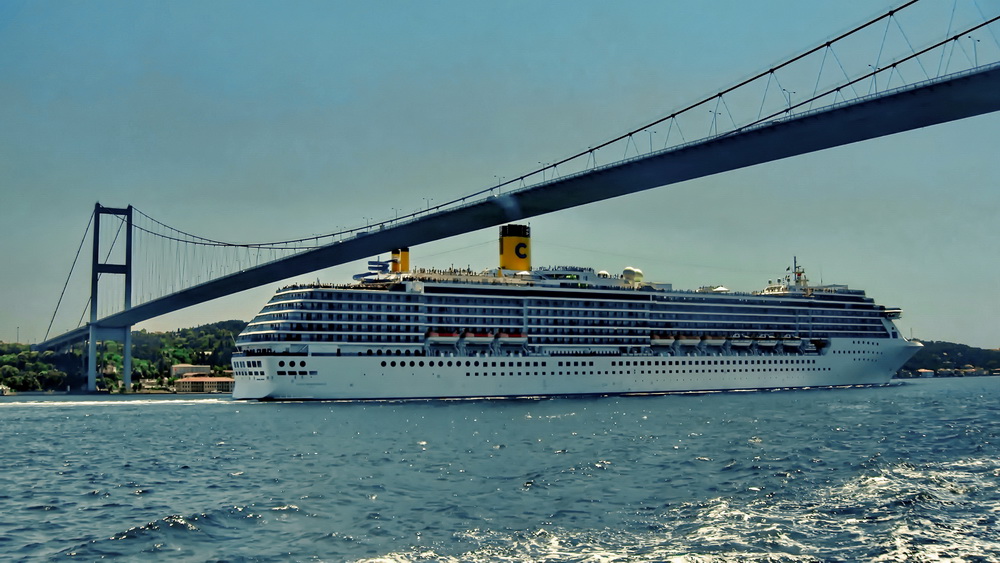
7,375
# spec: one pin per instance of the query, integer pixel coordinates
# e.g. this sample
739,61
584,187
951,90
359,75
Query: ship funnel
515,248
401,260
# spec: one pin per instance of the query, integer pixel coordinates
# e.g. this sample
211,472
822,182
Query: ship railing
564,269
266,352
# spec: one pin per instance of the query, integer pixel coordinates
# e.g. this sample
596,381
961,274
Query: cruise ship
513,331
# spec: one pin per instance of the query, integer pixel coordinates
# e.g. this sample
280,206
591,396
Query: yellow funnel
401,260
515,248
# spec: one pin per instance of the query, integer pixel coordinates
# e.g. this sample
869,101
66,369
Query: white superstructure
515,331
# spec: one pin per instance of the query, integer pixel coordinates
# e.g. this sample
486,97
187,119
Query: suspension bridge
811,102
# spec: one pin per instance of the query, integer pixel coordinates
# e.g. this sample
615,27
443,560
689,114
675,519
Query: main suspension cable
71,269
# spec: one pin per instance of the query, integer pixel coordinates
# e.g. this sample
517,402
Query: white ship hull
319,377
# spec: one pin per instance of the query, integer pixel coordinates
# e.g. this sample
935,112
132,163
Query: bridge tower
98,267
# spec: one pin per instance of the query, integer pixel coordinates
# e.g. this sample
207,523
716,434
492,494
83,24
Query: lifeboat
766,342
441,337
661,340
477,337
789,341
688,340
512,338
713,340
739,341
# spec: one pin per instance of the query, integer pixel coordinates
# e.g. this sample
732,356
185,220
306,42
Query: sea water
906,472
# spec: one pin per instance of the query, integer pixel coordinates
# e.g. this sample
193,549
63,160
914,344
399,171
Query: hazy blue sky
252,121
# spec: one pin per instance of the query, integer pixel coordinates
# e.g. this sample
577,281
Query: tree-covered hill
153,353
213,344
947,355
24,370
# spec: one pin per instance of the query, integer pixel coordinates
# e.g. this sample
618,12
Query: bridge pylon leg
92,359
127,361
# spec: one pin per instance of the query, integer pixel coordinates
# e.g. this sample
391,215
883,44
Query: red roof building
200,384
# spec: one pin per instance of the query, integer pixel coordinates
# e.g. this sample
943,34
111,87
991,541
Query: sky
255,121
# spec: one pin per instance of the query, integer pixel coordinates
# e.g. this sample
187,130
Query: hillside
948,355
152,355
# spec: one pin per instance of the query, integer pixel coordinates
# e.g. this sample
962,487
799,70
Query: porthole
291,364
281,364
383,363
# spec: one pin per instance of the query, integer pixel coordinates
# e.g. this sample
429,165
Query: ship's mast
801,281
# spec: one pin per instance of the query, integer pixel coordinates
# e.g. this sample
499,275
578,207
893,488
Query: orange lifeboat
434,337
481,338
661,340
512,338
688,340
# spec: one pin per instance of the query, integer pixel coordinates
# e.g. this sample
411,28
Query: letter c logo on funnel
519,250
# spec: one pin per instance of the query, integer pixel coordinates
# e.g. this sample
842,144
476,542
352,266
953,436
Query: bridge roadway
929,103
